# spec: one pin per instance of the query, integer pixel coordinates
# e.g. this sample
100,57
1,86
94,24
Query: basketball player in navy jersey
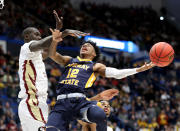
79,74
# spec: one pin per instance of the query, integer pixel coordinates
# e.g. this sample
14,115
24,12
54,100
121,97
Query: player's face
106,107
35,35
87,49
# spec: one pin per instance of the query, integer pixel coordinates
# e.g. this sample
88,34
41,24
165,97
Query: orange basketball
161,54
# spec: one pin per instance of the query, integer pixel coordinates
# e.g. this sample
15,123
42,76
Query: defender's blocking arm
57,37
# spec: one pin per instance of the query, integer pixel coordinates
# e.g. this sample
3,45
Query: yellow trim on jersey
99,104
88,99
90,81
80,59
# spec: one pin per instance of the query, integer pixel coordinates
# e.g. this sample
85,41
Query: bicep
60,59
99,69
35,46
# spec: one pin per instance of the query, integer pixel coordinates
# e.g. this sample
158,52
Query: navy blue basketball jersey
77,76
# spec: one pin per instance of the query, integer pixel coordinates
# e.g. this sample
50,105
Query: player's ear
26,37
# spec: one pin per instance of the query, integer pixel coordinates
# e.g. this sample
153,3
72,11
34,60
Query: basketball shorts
33,114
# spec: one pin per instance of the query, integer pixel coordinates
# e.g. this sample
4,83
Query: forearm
119,74
65,33
41,44
95,98
45,42
52,49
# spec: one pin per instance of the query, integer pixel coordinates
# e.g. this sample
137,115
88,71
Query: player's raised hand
56,35
74,33
108,94
59,21
145,67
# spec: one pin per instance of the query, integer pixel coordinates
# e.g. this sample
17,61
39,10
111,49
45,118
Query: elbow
51,55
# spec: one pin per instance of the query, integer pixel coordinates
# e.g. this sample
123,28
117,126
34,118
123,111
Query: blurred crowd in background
147,101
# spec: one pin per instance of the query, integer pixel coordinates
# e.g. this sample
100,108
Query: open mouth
105,109
84,49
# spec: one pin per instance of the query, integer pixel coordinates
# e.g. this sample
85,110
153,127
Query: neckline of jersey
80,59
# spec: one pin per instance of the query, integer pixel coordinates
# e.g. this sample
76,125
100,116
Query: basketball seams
155,51
151,54
156,62
160,52
167,54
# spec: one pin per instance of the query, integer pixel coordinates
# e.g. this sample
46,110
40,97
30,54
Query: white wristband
119,74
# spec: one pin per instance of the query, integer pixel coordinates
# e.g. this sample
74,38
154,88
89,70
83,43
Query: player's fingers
51,30
114,90
152,64
76,35
56,30
83,33
55,13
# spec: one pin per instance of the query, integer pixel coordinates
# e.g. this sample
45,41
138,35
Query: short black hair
96,48
27,31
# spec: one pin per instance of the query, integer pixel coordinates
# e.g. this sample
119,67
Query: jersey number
72,73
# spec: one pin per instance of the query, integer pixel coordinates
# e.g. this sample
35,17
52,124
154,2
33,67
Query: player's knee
96,114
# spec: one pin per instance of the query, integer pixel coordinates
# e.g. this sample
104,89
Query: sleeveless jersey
32,74
77,75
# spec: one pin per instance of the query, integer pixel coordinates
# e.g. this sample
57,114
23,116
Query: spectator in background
7,78
1,109
7,109
55,72
133,122
177,126
2,125
12,91
53,102
151,111
2,61
115,127
164,96
1,84
162,119
9,116
173,116
126,88
153,125
11,126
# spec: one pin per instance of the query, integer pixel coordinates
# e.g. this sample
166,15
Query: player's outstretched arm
110,72
105,95
46,42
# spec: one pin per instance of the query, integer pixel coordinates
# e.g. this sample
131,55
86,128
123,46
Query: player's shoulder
98,66
28,43
25,46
